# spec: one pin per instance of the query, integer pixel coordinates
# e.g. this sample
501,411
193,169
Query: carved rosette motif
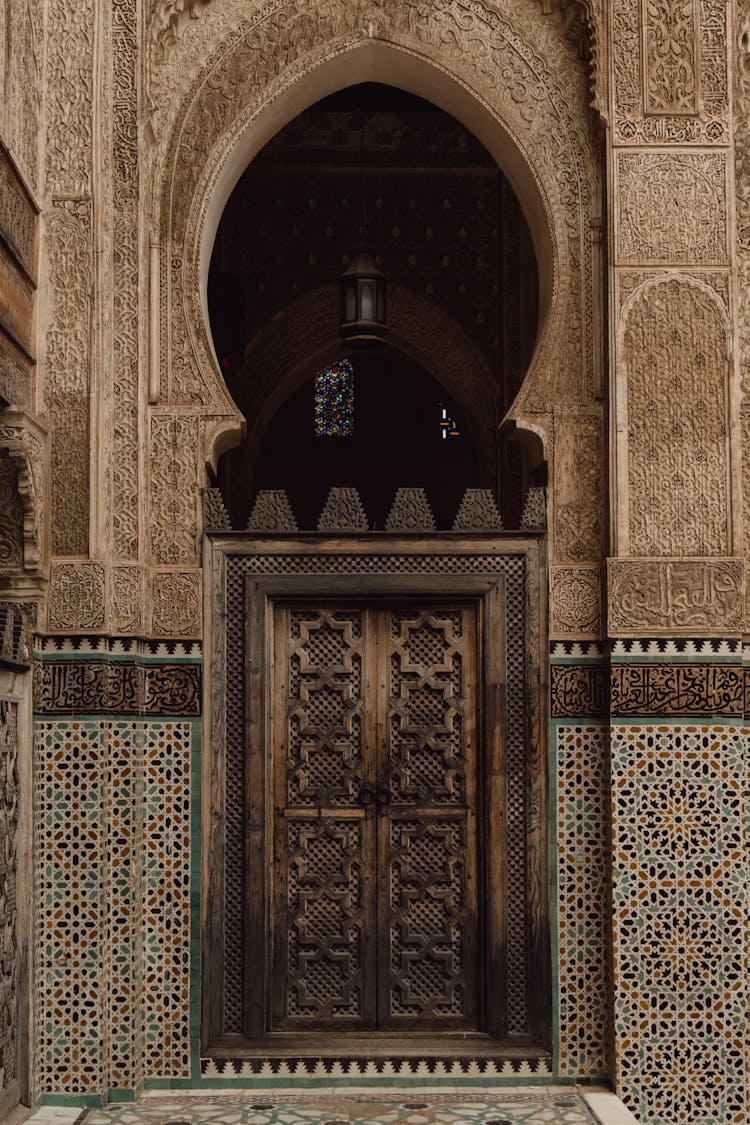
675,352
694,597
176,604
575,601
76,597
672,207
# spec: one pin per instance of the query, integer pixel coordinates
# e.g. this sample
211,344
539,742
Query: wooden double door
377,883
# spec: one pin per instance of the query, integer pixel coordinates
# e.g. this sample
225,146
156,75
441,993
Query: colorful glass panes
334,400
448,426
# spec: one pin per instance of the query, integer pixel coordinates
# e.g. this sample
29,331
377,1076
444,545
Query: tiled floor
510,1107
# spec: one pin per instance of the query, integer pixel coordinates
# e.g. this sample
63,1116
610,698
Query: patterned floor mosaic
511,1107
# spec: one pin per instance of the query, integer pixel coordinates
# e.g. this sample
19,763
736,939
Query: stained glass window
334,400
448,426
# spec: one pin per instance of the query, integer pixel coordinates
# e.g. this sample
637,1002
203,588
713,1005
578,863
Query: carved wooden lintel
410,511
272,512
478,512
343,511
698,597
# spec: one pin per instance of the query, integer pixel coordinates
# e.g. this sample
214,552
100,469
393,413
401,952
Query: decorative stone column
675,583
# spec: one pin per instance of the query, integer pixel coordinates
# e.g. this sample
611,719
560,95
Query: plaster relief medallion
671,207
176,604
575,601
675,596
76,597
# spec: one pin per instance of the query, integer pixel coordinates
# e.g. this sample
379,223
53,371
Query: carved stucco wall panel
176,603
174,489
578,486
575,602
675,352
675,597
670,72
126,599
69,265
671,207
21,111
76,597
124,174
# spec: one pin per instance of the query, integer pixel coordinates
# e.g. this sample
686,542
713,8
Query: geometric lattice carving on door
373,733
325,708
325,959
239,564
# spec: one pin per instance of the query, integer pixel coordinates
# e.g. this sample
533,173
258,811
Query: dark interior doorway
447,227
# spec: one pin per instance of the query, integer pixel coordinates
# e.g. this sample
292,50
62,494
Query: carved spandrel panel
325,708
671,208
675,351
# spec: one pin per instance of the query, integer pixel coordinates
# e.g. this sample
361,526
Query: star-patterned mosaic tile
511,1107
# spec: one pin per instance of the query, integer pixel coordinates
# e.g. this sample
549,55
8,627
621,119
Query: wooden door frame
382,566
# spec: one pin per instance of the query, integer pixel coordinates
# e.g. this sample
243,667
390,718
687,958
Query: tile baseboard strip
426,1066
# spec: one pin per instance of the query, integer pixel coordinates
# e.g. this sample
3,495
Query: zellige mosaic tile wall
680,882
112,841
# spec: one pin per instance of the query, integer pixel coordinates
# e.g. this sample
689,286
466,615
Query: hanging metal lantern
362,288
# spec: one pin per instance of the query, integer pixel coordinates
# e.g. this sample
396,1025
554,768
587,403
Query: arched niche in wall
449,234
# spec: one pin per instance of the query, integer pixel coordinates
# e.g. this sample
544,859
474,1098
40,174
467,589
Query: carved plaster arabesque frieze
66,380
11,517
674,347
126,598
675,597
174,492
176,603
575,601
124,231
578,487
670,72
742,188
671,207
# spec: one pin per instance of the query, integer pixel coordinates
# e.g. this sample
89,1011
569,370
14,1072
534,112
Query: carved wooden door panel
427,901
374,883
